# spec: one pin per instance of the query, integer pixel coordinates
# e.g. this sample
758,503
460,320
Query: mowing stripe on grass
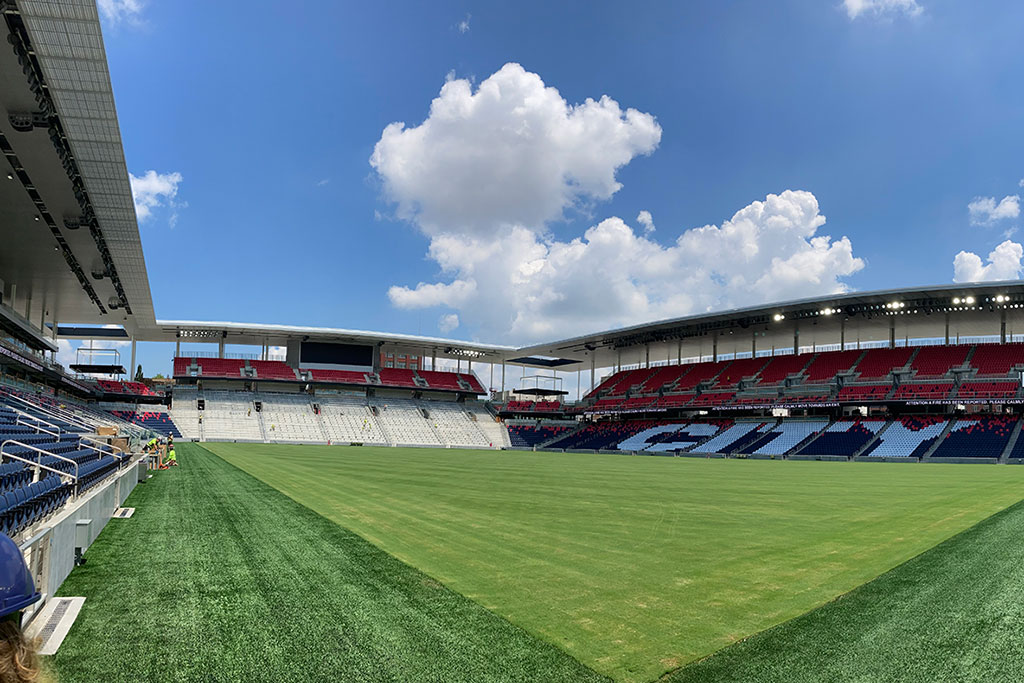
954,613
635,565
219,577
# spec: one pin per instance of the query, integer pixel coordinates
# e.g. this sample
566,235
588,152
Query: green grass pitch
218,577
634,566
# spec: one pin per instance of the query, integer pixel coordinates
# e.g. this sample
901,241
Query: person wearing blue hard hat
19,662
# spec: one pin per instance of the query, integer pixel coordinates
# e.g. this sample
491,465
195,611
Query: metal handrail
120,457
71,418
37,463
108,445
28,416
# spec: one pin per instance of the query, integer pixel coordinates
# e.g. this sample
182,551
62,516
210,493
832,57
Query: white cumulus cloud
645,219
488,170
153,189
512,153
857,8
527,286
116,11
448,322
985,210
463,25
1004,263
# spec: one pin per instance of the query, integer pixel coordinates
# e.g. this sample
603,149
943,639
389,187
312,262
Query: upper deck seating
827,365
441,380
993,360
473,381
273,369
714,398
606,404
138,389
638,402
181,366
606,384
701,372
988,390
630,379
339,376
781,367
110,386
861,392
397,377
220,367
664,377
937,361
878,363
739,370
920,391
674,400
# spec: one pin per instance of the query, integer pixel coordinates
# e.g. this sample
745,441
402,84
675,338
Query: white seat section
722,442
453,425
697,432
290,417
790,434
230,416
494,430
403,423
900,440
872,426
184,411
347,419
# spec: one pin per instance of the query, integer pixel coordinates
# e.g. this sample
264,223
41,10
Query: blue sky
889,118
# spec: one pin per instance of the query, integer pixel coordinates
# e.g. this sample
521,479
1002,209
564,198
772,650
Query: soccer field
635,565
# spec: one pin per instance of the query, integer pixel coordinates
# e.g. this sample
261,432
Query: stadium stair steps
871,442
697,444
808,441
970,356
938,441
321,425
1014,435
756,436
263,427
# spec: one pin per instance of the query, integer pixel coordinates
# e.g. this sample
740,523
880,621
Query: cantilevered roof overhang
280,335
939,312
71,248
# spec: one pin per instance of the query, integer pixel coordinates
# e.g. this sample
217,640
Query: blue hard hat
17,590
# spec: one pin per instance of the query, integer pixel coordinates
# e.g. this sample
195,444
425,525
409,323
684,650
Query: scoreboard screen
324,353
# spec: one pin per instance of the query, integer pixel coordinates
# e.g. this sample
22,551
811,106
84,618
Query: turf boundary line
413,568
668,676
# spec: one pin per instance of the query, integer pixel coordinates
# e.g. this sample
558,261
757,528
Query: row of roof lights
898,306
779,317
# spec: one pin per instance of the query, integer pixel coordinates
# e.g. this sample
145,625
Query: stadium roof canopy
987,311
70,242
72,263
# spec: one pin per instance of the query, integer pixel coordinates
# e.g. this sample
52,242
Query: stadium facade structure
72,267
915,374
